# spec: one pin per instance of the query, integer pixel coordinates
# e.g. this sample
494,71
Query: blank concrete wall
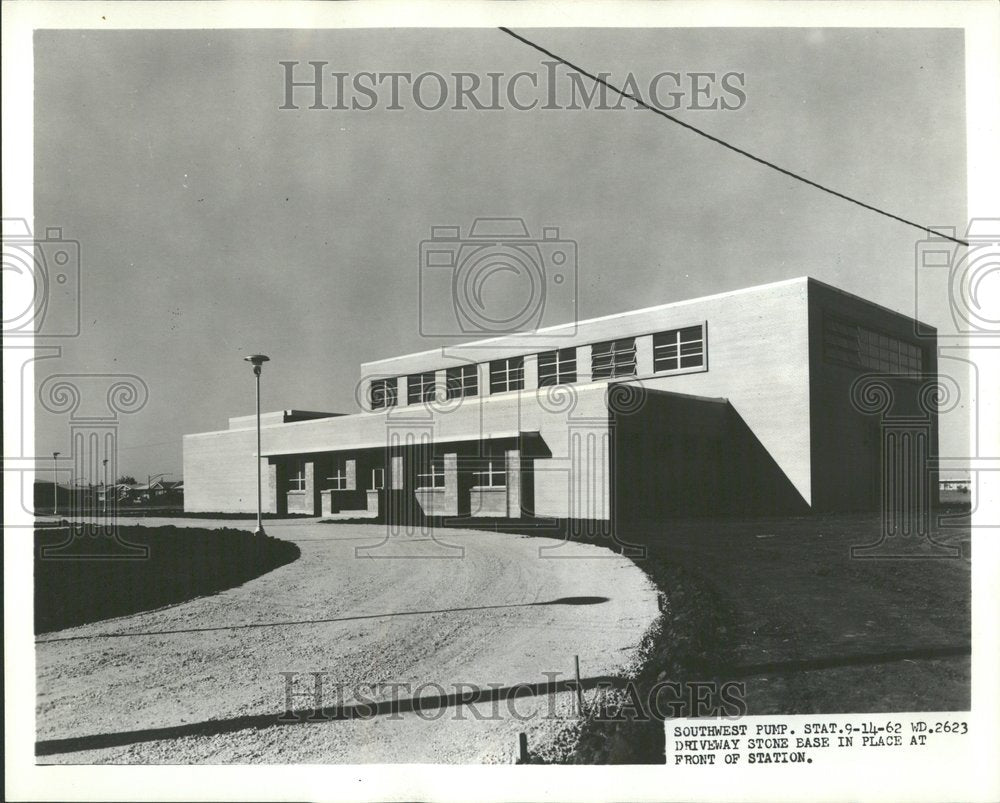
678,456
220,473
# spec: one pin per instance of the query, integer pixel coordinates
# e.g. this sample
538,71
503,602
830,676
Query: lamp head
257,360
55,455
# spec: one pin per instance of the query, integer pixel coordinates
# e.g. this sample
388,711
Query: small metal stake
522,740
579,686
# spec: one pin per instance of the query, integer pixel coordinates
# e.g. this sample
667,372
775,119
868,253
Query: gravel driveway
202,682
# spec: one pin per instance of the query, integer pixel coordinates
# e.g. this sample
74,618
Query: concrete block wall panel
488,502
220,474
449,499
272,481
483,379
846,458
312,489
584,360
512,465
298,502
644,356
531,370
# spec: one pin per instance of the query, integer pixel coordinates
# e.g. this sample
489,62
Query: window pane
679,348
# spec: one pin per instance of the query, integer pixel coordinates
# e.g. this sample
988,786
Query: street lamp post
55,485
104,463
257,360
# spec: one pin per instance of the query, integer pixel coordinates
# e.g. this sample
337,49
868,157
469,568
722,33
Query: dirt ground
202,682
811,629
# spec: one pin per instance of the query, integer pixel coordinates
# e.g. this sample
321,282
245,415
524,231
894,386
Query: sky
213,224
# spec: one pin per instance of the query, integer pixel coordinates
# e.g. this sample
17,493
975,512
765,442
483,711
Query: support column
272,488
312,489
644,355
531,372
483,378
513,468
449,499
583,375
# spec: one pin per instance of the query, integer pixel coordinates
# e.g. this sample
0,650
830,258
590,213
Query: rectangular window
420,387
338,481
462,381
433,476
851,344
297,476
383,393
679,348
557,367
378,479
613,358
492,475
507,375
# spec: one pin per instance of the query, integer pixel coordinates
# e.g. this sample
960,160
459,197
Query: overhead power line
723,143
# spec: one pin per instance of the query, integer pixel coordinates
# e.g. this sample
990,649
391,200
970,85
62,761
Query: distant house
159,492
173,488
79,496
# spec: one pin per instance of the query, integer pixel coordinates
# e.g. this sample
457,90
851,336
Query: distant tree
125,479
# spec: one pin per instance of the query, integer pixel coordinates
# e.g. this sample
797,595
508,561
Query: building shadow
680,456
354,711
